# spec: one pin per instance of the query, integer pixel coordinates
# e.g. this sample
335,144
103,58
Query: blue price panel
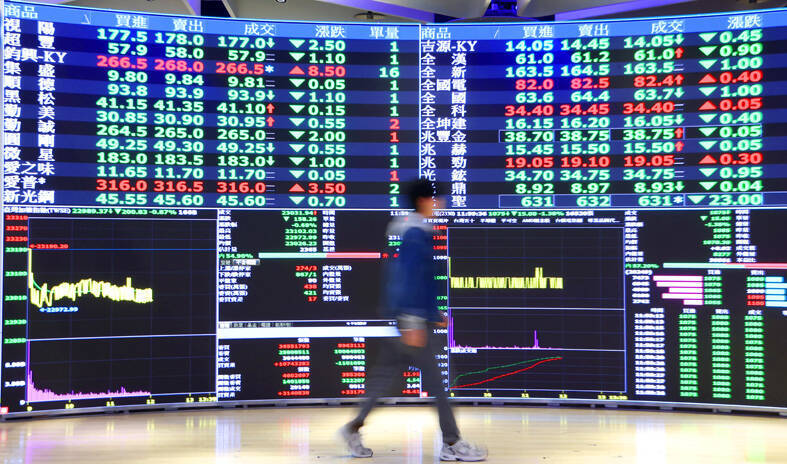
126,109
651,201
575,114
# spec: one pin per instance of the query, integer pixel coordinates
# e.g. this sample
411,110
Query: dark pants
394,359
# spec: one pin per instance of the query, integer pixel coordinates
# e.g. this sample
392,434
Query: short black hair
422,188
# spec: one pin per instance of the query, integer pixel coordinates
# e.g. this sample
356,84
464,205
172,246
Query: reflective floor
400,434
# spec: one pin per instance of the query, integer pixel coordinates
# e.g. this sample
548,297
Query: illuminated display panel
195,209
160,111
624,114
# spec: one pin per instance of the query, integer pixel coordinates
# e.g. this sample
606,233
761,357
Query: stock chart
195,209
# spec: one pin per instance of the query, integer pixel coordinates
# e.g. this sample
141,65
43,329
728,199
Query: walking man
411,298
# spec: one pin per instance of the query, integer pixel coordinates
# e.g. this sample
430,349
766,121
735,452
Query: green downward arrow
696,198
707,63
299,55
297,200
286,218
297,121
297,42
296,81
708,144
708,36
708,131
297,160
297,173
707,185
297,95
704,218
707,90
297,108
708,171
297,147
708,117
297,134
708,50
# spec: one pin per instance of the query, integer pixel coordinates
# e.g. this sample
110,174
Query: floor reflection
399,435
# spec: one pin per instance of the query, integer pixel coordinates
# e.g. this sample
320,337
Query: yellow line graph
537,281
44,296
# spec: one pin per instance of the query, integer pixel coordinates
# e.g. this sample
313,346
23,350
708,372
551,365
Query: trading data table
196,210
143,110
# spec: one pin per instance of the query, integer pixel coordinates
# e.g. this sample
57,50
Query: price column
754,354
688,362
721,354
320,123
653,134
121,117
731,109
350,359
178,122
585,133
294,360
352,114
529,129
244,118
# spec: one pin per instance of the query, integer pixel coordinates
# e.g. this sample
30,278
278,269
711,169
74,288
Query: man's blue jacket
410,277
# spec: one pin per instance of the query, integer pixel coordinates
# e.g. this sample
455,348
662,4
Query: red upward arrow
707,106
297,188
297,70
708,159
269,121
270,107
708,79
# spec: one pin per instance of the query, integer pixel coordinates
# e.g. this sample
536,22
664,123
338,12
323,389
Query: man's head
424,196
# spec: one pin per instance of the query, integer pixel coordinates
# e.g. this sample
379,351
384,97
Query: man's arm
413,256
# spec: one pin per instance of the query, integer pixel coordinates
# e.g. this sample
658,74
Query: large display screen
195,209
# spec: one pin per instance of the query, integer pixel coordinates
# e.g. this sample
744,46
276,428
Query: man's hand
414,337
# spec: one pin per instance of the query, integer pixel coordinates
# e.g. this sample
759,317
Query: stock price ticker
195,209
165,112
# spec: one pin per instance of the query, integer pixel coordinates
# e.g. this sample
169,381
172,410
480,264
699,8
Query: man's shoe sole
455,458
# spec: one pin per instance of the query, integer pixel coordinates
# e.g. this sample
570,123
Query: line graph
42,296
455,348
62,370
589,344
35,394
537,361
120,277
545,304
537,281
500,329
552,371
119,308
535,267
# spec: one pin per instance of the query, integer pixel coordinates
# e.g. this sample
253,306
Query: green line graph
503,366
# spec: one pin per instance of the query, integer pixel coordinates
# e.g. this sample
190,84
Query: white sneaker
353,441
463,451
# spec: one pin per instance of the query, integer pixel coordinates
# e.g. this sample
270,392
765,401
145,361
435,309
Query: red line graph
510,373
